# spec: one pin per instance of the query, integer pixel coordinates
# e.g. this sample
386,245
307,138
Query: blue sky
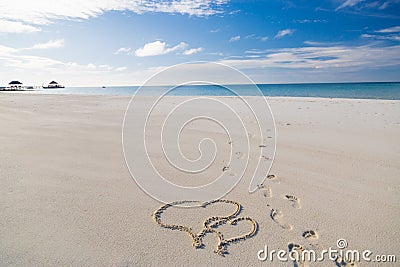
120,42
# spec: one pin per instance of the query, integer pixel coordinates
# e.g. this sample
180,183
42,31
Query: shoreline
216,96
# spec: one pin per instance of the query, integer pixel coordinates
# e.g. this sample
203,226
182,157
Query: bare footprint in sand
273,178
299,249
276,216
229,171
310,235
294,246
266,190
270,177
295,201
342,262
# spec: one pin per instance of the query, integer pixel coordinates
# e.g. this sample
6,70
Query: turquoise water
325,90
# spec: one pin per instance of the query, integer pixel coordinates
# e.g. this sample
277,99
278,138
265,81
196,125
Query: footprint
267,191
276,216
229,171
299,249
342,262
273,178
225,168
294,201
294,246
310,234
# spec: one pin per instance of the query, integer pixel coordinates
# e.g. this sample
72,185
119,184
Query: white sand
67,198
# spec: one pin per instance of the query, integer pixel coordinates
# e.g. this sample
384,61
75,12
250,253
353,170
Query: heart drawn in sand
223,242
210,225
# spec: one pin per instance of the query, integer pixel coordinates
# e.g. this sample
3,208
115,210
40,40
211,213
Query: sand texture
68,199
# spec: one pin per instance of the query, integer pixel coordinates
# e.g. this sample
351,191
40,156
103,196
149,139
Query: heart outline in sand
210,225
223,242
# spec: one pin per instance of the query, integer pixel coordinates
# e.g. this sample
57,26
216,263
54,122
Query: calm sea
387,90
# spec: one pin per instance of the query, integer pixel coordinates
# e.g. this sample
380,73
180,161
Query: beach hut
54,84
15,85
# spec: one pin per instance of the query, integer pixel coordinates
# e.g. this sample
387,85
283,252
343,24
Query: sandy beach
68,199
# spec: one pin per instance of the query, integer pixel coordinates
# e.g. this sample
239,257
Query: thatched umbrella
54,84
15,83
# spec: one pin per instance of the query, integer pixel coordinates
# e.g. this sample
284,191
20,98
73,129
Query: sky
125,42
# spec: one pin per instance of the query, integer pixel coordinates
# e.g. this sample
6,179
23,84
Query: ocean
387,90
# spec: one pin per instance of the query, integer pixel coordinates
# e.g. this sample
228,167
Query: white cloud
158,48
17,13
283,33
392,37
192,51
50,44
257,37
384,5
234,38
344,58
124,50
16,27
34,70
302,21
303,64
366,35
121,69
313,43
349,3
29,63
5,50
359,6
390,30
